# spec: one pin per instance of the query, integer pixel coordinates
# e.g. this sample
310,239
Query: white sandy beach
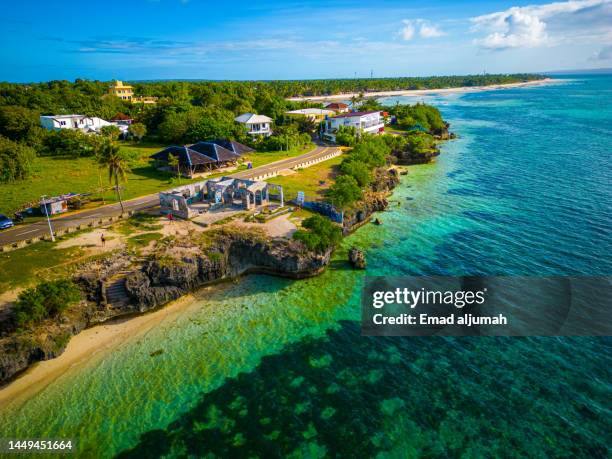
82,348
424,92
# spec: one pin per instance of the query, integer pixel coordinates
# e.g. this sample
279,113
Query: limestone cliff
179,266
189,264
374,200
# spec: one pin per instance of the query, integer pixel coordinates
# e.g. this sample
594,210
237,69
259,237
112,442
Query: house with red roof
337,107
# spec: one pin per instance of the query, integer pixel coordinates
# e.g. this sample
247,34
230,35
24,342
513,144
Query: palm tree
111,157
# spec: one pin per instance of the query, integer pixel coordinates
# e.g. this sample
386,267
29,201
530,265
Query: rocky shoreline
175,270
124,285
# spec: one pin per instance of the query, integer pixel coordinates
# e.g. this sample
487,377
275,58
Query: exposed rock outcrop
375,200
21,349
357,258
173,273
408,158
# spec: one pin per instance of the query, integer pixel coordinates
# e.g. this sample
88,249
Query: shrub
370,150
358,170
19,124
111,131
426,116
71,143
15,160
320,234
346,135
47,299
137,131
344,191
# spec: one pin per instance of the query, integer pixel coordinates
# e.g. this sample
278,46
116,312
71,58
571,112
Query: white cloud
407,31
430,31
425,29
528,26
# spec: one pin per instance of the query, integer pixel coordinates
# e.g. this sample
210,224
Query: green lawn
26,266
309,180
54,176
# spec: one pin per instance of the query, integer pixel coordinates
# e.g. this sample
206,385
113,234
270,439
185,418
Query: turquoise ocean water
270,367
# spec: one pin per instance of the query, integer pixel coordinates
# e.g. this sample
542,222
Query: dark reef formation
356,258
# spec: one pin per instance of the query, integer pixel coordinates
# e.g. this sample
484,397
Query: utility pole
44,204
371,73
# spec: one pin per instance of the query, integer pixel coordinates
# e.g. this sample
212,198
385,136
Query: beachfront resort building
202,157
189,201
363,122
256,124
82,122
313,114
337,107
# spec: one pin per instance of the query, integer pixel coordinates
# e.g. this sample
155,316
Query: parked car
5,222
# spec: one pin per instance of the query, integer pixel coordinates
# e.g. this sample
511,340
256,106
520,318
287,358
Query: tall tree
111,157
111,131
137,130
174,163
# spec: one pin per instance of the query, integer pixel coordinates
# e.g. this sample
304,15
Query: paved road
24,232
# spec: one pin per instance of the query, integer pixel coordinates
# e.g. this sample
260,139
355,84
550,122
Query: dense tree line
188,111
365,85
16,160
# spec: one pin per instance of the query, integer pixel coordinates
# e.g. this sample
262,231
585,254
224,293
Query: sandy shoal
424,92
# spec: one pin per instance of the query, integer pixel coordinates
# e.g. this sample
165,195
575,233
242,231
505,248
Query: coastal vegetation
319,233
47,300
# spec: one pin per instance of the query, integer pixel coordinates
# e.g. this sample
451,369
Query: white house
368,122
256,124
84,123
313,114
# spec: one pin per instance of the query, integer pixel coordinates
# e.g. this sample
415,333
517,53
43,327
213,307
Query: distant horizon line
604,70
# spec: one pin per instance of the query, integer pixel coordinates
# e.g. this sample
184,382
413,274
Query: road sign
300,197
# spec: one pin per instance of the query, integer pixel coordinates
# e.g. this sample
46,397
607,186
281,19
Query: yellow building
146,100
125,92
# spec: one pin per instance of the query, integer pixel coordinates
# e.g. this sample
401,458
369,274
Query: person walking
103,239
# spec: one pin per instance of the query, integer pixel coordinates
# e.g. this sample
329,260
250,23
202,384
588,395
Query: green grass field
27,266
55,176
309,180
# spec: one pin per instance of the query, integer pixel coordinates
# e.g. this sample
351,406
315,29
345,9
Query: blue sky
150,39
